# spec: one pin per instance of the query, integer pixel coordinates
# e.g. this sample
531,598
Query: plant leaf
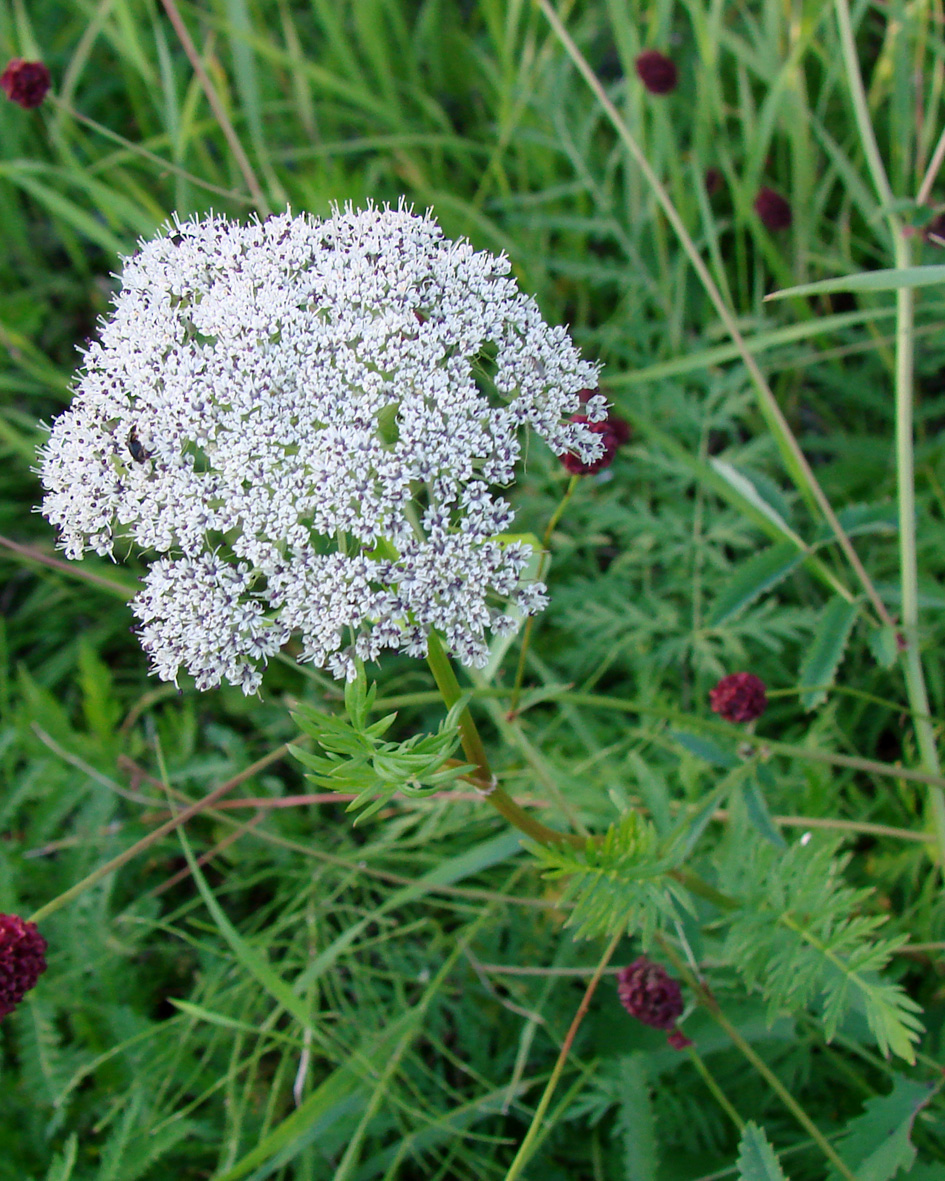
756,1157
891,279
756,808
635,1119
877,1144
759,574
826,651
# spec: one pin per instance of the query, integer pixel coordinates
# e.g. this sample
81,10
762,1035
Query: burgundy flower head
22,960
656,71
773,209
713,181
615,432
25,83
739,697
651,995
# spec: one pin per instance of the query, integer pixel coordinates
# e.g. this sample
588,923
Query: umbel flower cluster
300,423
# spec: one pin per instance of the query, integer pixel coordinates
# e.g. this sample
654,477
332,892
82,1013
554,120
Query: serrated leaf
882,643
636,1120
823,658
756,1157
704,748
748,491
753,578
756,809
877,1144
857,519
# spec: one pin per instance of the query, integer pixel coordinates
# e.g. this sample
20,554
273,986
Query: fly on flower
136,448
326,452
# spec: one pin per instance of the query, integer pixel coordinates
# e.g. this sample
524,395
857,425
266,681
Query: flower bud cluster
649,993
22,960
301,423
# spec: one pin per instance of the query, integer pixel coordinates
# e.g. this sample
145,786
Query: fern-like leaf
355,757
801,934
617,883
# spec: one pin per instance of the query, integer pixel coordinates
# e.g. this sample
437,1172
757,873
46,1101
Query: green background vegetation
390,1000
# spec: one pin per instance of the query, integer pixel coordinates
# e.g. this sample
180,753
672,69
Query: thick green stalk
475,753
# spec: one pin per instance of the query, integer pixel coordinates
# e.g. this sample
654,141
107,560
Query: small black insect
135,446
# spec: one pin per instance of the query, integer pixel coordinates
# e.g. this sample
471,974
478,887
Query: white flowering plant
305,427
301,423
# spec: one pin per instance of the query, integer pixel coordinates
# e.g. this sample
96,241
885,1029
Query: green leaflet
636,1120
748,490
620,883
885,280
356,759
756,809
804,937
760,573
877,1144
756,1157
819,669
859,519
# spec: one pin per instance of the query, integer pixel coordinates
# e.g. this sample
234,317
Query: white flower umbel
300,422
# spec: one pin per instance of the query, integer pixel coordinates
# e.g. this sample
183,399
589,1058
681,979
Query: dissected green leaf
802,935
355,759
618,882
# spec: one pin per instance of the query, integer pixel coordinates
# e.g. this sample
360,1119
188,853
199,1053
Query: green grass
318,1000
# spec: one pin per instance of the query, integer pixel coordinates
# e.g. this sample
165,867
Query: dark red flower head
713,181
26,83
739,697
615,432
22,960
773,209
651,995
656,71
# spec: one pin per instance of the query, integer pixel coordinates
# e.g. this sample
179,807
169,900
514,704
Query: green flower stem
475,753
718,1094
534,1128
712,1007
905,458
146,842
530,622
